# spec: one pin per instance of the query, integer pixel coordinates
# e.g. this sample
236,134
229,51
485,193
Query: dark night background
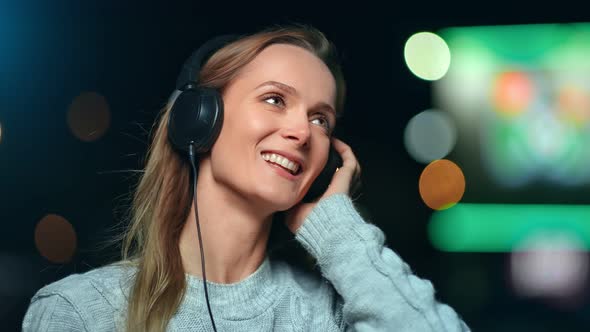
131,54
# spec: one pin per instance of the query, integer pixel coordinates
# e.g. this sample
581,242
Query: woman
282,92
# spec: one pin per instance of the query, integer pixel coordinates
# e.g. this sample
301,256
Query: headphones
196,116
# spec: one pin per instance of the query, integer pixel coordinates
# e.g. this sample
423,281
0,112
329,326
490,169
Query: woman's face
282,101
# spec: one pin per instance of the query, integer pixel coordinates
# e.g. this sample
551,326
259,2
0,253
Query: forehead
293,66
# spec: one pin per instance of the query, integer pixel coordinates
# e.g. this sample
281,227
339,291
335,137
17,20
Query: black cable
192,160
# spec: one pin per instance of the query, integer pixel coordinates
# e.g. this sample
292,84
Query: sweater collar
243,299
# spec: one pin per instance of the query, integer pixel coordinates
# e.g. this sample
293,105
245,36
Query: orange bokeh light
55,238
89,116
573,103
512,92
441,184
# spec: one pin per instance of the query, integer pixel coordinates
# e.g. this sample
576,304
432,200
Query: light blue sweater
365,287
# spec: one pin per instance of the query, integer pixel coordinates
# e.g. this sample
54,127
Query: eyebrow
292,91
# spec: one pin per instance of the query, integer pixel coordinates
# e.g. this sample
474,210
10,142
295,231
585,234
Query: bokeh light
0,132
55,238
520,99
573,104
441,184
477,227
549,264
89,116
430,135
546,136
505,151
465,88
427,56
512,92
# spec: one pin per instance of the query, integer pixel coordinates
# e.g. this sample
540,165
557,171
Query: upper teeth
280,160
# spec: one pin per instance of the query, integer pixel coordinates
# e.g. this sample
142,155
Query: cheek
247,117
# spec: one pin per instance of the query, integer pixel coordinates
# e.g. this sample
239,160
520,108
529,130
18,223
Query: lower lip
282,172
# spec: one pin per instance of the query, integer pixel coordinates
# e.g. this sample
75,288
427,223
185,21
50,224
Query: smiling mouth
283,163
285,169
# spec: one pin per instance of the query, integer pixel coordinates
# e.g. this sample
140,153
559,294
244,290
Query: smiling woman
257,112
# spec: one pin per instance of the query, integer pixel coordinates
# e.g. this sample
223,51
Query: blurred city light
55,238
469,227
427,55
549,265
441,184
520,98
89,116
430,135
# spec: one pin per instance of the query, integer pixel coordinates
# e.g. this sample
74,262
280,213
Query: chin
280,201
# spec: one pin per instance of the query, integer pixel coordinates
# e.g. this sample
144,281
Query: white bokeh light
549,264
430,135
427,55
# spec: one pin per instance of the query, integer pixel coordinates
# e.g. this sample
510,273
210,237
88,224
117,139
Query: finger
357,170
339,145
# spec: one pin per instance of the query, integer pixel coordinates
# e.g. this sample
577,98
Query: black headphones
196,116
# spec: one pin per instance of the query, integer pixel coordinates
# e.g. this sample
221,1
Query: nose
298,129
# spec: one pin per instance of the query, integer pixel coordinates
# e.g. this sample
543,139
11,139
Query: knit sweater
364,286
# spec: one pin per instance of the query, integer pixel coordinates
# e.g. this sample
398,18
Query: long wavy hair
150,241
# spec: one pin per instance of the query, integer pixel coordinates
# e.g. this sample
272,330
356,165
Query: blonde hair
150,242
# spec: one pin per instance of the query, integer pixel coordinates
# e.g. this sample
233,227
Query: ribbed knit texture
364,286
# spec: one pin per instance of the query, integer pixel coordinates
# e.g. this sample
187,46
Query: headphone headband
192,66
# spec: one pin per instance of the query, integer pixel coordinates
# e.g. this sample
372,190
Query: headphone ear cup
196,118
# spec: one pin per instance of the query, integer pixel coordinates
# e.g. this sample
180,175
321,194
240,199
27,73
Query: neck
233,231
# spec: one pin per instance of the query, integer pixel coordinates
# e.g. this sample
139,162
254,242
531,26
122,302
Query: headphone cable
192,161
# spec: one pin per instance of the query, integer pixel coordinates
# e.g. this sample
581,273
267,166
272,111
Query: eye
275,99
326,122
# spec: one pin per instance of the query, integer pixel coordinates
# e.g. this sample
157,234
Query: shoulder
78,299
106,283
